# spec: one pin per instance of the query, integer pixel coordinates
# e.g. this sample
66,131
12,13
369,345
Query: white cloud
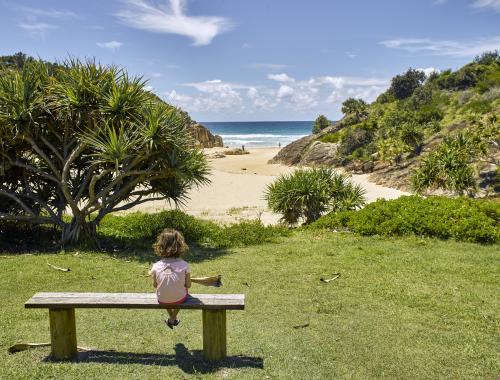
171,18
492,4
350,54
35,19
51,13
272,66
285,91
37,29
341,82
178,99
156,75
429,70
297,95
449,48
252,93
111,45
280,77
213,95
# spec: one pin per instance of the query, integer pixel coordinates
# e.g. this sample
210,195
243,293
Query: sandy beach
238,184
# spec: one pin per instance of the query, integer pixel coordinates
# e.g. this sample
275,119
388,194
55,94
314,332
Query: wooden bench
63,327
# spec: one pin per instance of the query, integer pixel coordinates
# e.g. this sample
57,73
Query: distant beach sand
238,184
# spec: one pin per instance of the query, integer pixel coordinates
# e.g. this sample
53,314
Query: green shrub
141,229
308,193
403,86
463,219
331,137
320,123
478,106
355,138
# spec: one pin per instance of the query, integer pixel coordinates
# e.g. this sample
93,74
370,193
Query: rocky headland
205,138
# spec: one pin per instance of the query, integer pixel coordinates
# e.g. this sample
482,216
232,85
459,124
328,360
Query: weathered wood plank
214,334
133,301
62,333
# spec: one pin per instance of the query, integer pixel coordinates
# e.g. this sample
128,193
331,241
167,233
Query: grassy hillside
410,120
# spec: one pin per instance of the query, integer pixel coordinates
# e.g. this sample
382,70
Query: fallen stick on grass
327,280
301,326
58,268
25,346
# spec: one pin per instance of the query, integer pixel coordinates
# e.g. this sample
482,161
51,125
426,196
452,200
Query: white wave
242,142
259,135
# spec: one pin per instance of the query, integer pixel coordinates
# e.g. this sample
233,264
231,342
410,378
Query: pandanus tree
306,194
82,140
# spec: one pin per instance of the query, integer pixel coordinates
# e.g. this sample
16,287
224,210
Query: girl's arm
187,283
208,281
153,275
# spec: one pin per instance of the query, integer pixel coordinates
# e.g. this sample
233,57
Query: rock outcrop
204,137
320,153
309,151
292,153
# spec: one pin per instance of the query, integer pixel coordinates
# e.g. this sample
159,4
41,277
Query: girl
171,275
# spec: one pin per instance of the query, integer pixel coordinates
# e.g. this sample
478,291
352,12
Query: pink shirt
170,274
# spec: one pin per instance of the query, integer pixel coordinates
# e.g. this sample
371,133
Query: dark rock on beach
204,137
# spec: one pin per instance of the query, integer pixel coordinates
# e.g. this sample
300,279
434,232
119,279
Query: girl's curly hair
170,243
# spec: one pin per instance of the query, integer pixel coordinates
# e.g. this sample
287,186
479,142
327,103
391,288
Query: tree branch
93,181
52,148
43,155
85,182
64,178
15,198
34,170
137,202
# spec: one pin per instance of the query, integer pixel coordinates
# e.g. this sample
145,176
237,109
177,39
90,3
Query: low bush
20,237
141,229
306,194
463,219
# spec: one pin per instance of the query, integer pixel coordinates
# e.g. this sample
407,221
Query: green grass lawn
402,308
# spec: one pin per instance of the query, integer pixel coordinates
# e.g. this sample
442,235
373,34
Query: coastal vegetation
425,133
87,138
320,123
306,194
462,219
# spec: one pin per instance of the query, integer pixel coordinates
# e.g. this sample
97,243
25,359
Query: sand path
237,187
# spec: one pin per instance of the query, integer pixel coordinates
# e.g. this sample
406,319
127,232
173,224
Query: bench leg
62,333
214,334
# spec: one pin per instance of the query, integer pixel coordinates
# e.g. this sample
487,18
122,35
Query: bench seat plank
133,301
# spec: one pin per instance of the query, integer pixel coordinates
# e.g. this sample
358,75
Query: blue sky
227,60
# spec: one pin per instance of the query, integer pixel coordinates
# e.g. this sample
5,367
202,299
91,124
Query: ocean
259,133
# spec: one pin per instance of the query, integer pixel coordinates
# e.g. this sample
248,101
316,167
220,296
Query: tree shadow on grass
188,361
16,240
143,251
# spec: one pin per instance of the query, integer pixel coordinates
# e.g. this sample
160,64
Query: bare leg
172,314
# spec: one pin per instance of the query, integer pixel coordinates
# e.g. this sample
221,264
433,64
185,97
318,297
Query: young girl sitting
171,275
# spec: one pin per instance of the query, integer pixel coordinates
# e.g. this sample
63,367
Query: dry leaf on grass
58,268
301,326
